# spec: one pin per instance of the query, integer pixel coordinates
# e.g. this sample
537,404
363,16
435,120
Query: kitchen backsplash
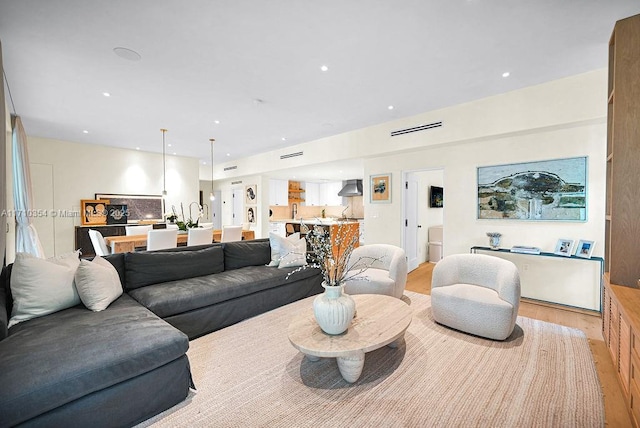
355,209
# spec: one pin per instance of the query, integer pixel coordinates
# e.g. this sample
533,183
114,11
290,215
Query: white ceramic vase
334,309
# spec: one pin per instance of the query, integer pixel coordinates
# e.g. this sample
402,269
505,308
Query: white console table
548,277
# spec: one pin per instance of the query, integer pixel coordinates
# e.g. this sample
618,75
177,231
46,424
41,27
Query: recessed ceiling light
137,148
217,122
228,154
324,68
174,153
390,107
125,53
506,74
169,145
284,139
85,132
106,94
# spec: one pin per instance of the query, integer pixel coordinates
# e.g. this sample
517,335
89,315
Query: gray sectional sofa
120,366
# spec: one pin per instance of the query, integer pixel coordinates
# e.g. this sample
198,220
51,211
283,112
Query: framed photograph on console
94,211
564,247
380,190
585,248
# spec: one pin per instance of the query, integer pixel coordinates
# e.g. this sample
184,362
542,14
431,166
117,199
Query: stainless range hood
351,188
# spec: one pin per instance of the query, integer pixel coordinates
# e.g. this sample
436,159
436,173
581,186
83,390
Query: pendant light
164,165
211,195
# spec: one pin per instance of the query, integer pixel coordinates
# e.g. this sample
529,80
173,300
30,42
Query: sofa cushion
50,361
177,297
40,287
276,242
98,283
256,252
153,267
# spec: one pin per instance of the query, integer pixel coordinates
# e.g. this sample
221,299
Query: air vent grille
291,155
236,182
416,129
229,168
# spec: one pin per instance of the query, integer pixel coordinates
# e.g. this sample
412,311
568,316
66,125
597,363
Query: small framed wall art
564,247
585,248
380,190
94,211
251,194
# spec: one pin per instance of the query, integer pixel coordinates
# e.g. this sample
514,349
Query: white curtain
26,236
3,161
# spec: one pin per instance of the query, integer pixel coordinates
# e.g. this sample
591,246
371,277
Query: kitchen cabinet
321,194
278,227
278,192
329,193
312,194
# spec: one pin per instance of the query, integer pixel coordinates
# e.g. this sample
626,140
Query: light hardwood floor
616,414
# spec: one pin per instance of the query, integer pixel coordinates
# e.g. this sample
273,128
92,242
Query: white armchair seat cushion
461,306
371,281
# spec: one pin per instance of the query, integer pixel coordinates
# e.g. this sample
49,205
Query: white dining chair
99,245
137,230
231,233
159,239
199,236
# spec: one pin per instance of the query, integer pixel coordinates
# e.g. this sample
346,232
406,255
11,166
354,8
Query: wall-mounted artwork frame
251,214
251,194
94,211
552,190
436,197
139,207
380,189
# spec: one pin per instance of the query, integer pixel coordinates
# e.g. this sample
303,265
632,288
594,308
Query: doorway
418,215
238,204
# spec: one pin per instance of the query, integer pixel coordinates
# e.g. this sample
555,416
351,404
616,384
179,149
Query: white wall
78,171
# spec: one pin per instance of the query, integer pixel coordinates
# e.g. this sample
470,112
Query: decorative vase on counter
334,309
494,240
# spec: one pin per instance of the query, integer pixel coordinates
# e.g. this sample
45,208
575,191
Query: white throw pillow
276,242
40,287
98,283
293,253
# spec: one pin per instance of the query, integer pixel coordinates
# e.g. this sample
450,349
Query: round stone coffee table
380,320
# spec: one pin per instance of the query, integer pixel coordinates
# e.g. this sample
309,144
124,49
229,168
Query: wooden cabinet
622,221
621,332
278,192
83,242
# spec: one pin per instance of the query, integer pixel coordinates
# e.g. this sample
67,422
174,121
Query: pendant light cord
164,165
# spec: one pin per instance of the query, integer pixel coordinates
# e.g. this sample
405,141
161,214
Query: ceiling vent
229,168
416,129
236,182
291,155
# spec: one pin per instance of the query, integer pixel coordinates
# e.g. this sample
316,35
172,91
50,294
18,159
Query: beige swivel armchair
477,294
385,273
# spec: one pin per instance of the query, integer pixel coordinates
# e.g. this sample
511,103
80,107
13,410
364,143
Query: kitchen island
336,228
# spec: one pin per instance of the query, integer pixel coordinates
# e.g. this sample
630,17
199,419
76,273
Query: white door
411,221
238,204
215,210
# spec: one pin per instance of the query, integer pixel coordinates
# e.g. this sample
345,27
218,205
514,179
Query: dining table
128,243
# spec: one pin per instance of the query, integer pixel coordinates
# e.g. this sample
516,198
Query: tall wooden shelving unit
621,298
622,231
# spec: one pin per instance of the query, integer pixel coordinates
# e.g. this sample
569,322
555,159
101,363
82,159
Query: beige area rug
249,375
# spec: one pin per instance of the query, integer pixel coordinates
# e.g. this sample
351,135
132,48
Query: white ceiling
254,66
